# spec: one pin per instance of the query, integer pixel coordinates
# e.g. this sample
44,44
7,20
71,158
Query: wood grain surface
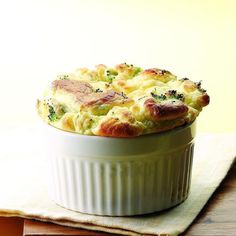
32,227
217,218
11,226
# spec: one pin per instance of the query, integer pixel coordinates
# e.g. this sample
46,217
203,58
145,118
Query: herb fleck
174,95
199,86
124,95
180,97
64,77
161,97
98,90
183,79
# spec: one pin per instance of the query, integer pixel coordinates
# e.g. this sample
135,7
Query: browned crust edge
114,128
85,95
167,111
156,71
204,100
73,86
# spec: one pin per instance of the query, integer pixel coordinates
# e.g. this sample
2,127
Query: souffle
121,101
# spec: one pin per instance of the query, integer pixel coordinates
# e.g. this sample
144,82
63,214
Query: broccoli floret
52,114
111,74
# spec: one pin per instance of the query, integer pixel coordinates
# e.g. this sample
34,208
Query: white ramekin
120,176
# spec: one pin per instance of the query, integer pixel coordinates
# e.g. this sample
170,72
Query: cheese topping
123,101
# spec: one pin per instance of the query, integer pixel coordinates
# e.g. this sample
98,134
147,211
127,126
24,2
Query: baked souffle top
121,101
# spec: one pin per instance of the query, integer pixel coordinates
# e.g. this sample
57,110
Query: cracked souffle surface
121,101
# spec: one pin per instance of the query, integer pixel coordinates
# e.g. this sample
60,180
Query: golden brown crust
85,95
73,86
123,67
115,128
155,71
165,111
103,98
157,74
204,100
121,101
189,86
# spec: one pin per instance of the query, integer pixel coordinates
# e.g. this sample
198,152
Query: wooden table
217,218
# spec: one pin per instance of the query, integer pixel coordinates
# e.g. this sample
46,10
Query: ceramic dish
120,176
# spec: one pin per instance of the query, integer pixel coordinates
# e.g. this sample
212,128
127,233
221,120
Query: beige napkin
23,186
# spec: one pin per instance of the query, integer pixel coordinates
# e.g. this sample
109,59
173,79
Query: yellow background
194,39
